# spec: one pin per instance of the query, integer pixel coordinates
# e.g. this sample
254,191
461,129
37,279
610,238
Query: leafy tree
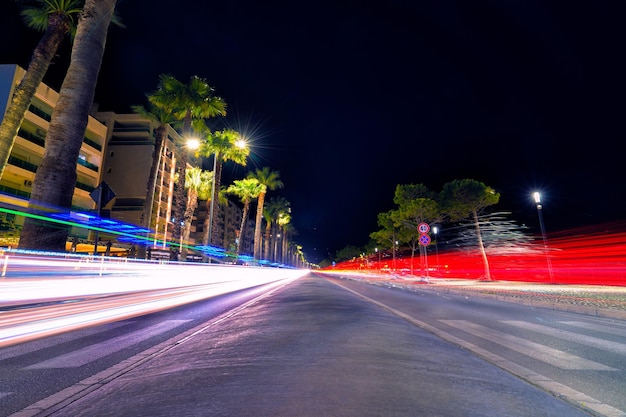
413,210
269,180
224,145
347,253
190,103
388,234
247,190
415,205
466,198
56,176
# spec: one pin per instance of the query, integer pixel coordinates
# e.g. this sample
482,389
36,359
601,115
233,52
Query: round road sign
423,228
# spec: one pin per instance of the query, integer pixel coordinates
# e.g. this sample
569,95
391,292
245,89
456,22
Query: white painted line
591,341
35,345
597,328
555,388
534,350
91,353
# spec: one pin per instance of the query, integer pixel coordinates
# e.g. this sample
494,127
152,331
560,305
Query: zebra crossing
538,351
92,353
81,356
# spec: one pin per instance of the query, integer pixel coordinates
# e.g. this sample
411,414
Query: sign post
424,240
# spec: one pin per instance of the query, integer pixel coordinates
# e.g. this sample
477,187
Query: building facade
28,149
118,150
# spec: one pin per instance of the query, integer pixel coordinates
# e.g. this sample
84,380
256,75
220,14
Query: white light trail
33,307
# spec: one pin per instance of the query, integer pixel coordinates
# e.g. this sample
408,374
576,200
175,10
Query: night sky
347,99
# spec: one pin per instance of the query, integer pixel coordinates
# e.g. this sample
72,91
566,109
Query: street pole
211,206
537,198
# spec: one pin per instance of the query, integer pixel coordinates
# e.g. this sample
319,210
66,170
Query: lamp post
435,232
537,197
241,143
191,144
212,205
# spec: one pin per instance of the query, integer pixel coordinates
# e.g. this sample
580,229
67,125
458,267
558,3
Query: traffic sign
423,228
424,240
102,194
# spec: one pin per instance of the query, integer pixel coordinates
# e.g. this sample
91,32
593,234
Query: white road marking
596,327
595,342
91,353
35,345
534,350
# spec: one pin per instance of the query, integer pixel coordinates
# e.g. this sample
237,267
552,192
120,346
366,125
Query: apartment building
117,149
28,149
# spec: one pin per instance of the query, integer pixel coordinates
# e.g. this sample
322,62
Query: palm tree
163,119
56,18
224,145
190,103
55,179
197,182
269,181
274,207
283,223
247,190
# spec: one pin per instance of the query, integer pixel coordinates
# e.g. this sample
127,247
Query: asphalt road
325,347
32,371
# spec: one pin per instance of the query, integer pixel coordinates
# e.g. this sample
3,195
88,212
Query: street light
241,143
435,231
537,197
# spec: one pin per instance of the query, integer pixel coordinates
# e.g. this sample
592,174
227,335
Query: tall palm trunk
283,252
56,176
257,226
206,239
192,203
268,234
181,168
214,239
58,26
246,209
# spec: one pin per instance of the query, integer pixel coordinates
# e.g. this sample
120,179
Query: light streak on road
75,293
587,256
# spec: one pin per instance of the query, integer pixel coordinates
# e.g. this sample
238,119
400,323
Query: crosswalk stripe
534,350
591,341
5,394
91,353
596,327
22,349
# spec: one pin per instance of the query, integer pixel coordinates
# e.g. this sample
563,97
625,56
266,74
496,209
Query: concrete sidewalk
310,349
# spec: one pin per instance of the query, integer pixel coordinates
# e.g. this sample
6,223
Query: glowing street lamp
435,231
241,143
537,197
192,143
